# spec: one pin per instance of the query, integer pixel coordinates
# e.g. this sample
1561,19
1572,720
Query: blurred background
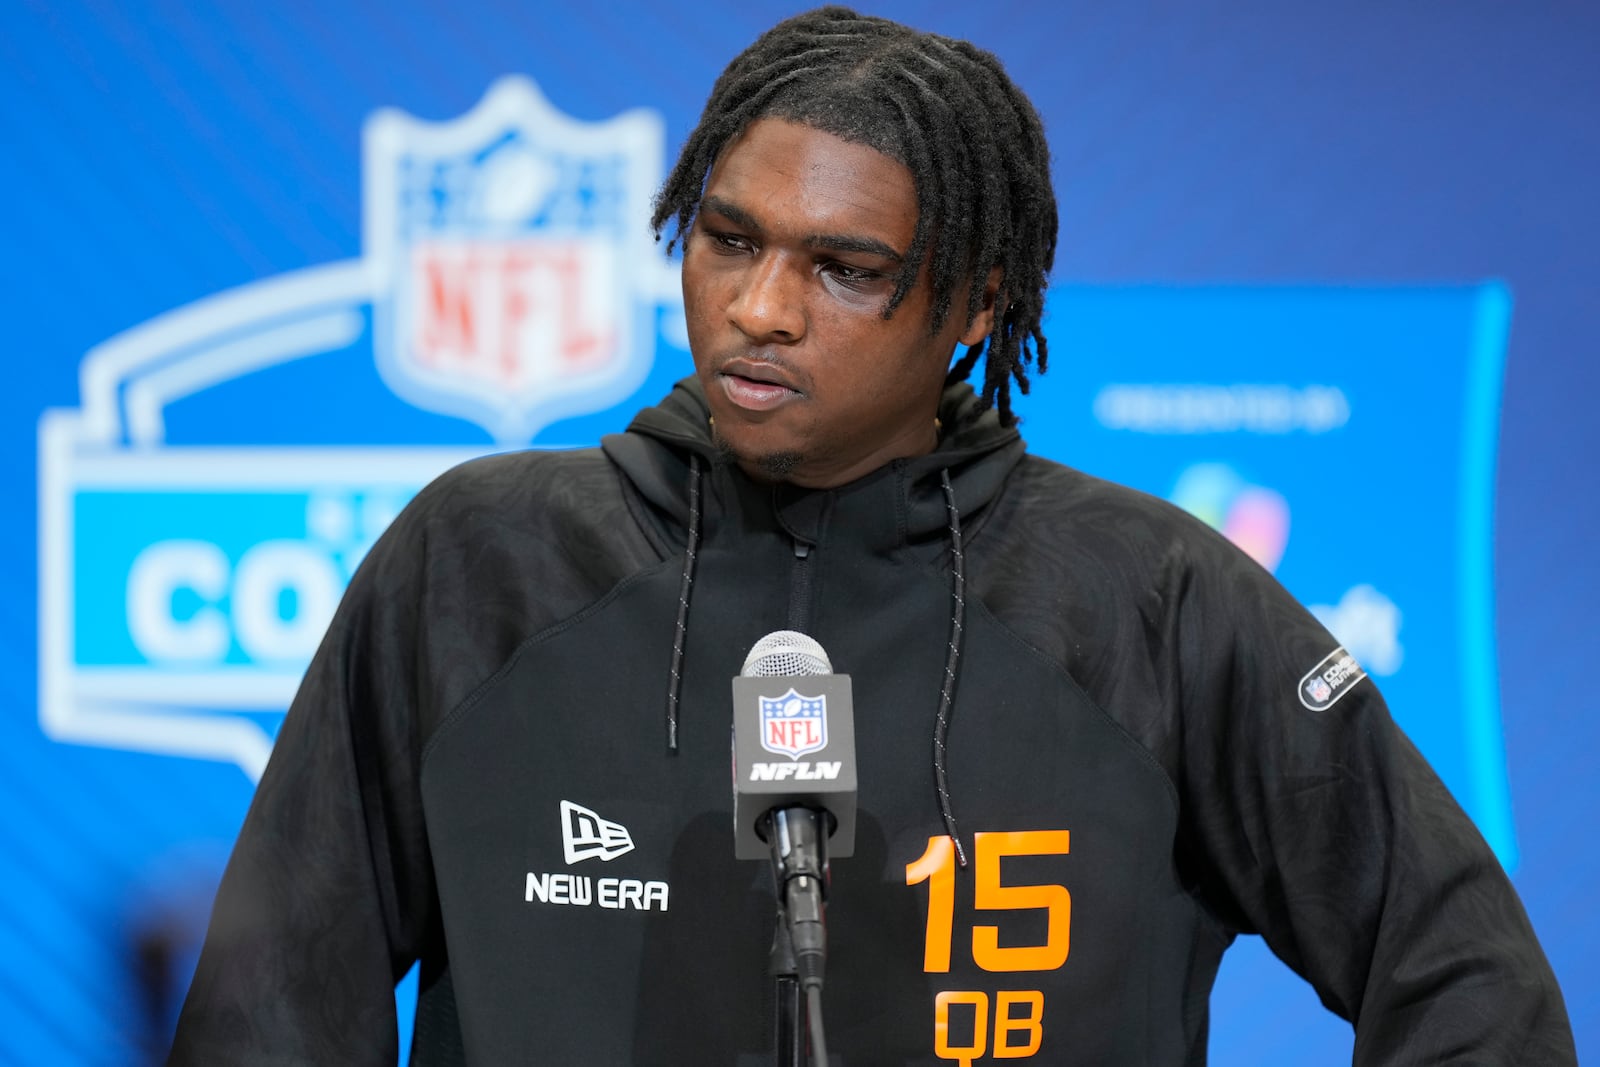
1328,278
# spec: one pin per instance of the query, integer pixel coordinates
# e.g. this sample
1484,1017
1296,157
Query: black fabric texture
1127,677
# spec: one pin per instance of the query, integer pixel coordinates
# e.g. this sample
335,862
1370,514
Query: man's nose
769,305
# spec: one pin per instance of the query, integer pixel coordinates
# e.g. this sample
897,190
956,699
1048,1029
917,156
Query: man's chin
771,466
778,466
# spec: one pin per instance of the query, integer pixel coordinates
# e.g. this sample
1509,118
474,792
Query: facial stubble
774,466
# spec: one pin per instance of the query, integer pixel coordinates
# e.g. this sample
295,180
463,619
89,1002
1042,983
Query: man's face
792,258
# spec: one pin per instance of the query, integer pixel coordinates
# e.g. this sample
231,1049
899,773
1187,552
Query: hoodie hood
654,455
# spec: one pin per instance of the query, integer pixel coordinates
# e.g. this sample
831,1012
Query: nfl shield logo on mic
793,725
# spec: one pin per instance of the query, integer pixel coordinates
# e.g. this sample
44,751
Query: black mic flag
794,742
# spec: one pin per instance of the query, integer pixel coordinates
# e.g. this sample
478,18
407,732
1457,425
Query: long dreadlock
947,111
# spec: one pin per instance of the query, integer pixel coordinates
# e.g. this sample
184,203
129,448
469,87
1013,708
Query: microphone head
784,653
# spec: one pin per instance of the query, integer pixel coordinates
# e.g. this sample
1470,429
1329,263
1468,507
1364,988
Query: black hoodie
1151,748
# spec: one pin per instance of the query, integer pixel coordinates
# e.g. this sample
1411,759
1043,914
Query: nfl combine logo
508,277
793,725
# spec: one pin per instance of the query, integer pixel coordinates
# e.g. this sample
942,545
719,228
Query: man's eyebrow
833,242
732,212
845,242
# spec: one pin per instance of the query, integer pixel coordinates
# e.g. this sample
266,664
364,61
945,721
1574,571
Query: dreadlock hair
946,110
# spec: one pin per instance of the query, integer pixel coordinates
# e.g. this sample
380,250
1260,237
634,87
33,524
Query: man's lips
756,386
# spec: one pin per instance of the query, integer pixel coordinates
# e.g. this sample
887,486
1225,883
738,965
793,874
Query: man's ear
983,322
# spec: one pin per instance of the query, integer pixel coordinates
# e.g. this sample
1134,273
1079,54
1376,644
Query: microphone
794,787
794,743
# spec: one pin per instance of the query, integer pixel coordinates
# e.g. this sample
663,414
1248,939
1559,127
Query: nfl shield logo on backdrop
793,725
513,264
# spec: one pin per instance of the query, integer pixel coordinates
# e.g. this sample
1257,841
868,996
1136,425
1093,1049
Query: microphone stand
798,840
789,1035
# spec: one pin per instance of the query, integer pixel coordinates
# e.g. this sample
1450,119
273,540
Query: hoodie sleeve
1321,827
325,898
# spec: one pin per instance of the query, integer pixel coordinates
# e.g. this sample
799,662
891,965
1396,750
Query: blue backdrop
1328,279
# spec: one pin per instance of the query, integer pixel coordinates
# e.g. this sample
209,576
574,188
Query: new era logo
585,835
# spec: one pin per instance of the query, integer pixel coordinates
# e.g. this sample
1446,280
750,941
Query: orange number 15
937,867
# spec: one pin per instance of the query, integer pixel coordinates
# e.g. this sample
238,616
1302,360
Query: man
1125,769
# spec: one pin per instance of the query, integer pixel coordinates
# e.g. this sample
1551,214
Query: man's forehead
785,176
836,242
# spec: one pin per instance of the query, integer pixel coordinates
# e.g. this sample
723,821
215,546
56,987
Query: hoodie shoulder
1138,535
1084,569
521,540
529,488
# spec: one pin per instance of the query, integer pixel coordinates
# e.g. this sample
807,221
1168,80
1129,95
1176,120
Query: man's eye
728,241
851,275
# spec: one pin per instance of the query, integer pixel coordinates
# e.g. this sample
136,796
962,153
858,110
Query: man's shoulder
504,517
544,478
1087,517
1058,490
544,495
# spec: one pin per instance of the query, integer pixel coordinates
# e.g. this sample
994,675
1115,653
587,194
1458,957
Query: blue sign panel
1293,420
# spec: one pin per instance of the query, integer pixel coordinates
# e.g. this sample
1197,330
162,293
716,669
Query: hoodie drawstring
952,666
691,550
